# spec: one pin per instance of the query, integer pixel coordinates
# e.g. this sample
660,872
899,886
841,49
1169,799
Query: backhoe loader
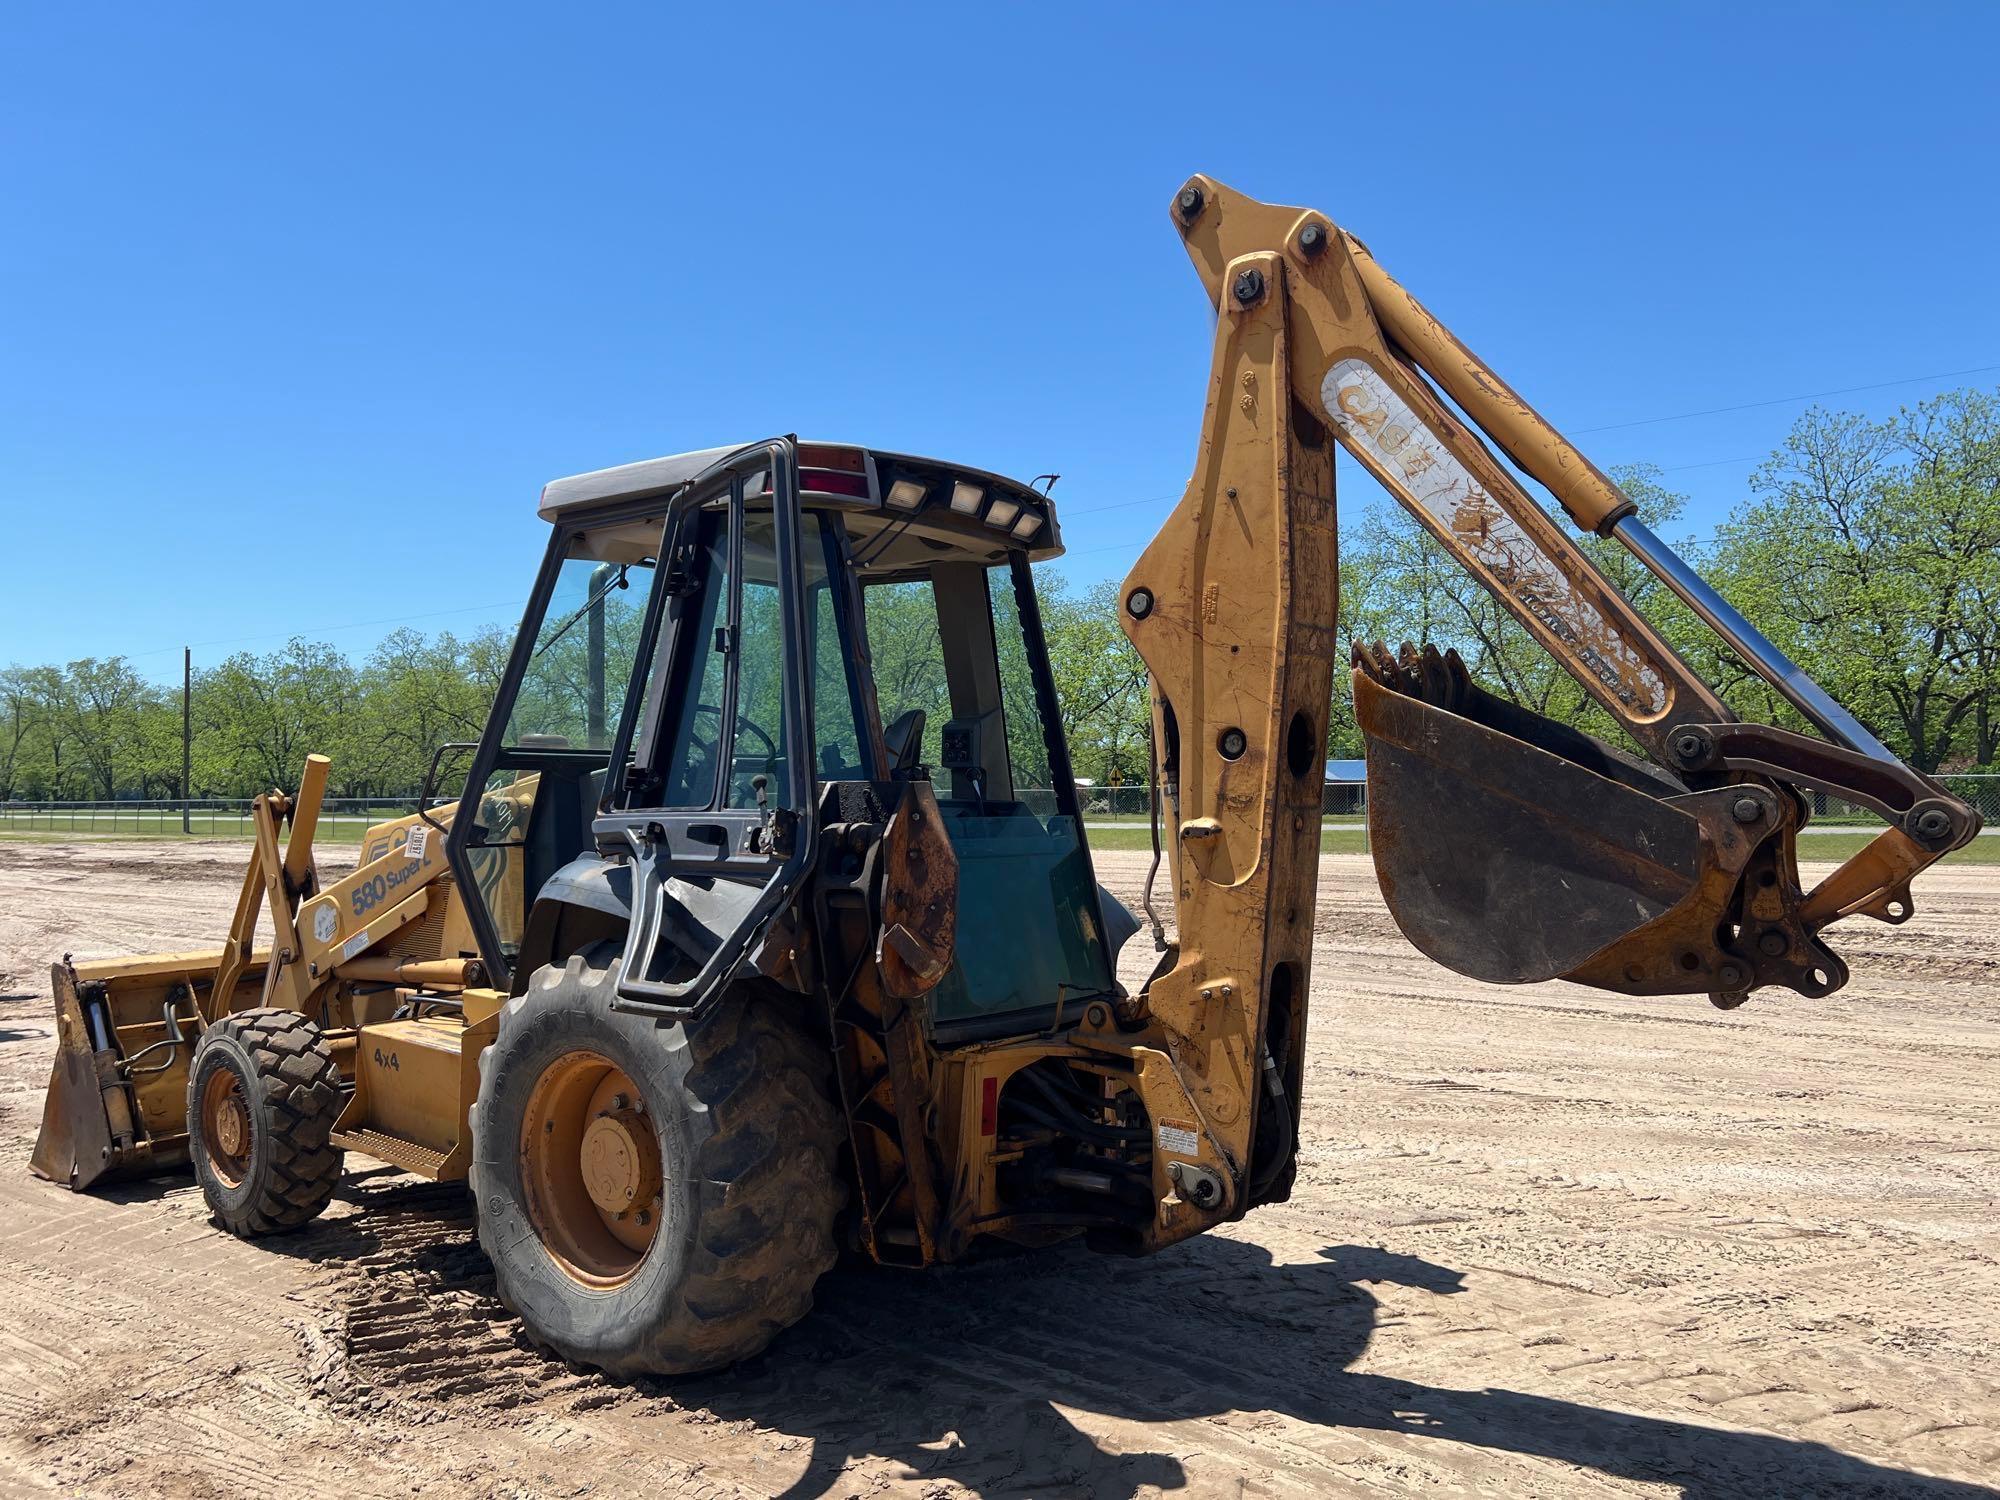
765,925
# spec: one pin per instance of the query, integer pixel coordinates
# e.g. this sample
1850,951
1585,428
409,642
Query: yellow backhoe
765,922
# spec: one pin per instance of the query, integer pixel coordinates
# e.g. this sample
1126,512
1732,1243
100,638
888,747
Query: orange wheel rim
590,1169
225,1125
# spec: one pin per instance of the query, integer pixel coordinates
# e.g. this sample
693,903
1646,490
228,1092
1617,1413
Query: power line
1714,463
1091,510
1087,510
1848,390
1880,385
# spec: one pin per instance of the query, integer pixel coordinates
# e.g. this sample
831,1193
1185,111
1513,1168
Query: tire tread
771,1157
301,1086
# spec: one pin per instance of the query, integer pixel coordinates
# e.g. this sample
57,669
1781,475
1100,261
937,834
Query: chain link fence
343,819
1347,801
1342,800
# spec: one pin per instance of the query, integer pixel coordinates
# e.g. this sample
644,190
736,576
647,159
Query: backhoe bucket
1512,849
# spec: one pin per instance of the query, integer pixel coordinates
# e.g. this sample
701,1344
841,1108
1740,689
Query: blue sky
302,306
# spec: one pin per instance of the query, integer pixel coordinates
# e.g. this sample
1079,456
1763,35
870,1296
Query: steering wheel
744,721
702,748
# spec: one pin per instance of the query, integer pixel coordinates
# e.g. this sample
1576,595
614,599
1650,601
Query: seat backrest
904,739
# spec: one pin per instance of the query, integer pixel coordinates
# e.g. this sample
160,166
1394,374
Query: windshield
574,687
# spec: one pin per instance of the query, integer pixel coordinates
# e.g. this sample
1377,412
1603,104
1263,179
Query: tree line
96,730
1869,550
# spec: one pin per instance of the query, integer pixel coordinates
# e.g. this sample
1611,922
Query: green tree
1101,682
260,716
417,693
95,711
26,766
1871,553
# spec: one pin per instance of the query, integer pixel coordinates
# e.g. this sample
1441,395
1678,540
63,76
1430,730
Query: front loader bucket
1512,849
87,1128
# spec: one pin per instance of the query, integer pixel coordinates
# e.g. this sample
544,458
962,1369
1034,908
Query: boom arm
1508,847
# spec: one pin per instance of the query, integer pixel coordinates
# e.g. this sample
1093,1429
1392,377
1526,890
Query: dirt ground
1545,1242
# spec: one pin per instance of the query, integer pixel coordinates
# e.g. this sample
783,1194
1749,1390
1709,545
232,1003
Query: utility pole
187,733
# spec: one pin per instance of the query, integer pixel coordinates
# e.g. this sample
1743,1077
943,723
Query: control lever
766,837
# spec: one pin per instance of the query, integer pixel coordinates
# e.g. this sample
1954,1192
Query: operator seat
905,741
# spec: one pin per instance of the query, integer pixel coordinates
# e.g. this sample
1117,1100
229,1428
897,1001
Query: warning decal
1180,1138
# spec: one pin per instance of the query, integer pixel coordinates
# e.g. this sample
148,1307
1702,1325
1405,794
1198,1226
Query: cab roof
929,505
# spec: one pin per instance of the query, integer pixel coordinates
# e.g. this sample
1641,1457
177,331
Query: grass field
1828,848
1344,837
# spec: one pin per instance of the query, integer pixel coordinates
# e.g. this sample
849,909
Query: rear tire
742,1196
263,1096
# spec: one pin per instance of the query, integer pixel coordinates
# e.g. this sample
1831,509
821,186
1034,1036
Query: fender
587,901
1119,920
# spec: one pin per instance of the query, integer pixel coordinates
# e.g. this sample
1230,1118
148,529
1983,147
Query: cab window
953,645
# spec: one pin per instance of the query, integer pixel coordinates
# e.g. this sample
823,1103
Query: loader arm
1508,847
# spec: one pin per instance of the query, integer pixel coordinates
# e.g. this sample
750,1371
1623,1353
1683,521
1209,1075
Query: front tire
655,1197
263,1096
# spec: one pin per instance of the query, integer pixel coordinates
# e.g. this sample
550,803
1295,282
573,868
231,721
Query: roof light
1001,513
1027,526
824,456
906,494
834,482
965,498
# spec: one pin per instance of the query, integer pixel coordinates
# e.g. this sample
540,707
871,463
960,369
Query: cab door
711,800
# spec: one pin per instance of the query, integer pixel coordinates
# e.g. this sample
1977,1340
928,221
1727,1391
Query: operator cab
827,618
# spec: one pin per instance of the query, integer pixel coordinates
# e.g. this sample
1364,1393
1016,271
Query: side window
693,734
757,746
1027,737
908,656
839,716
719,733
574,687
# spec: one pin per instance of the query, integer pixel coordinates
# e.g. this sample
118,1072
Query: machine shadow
964,1375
